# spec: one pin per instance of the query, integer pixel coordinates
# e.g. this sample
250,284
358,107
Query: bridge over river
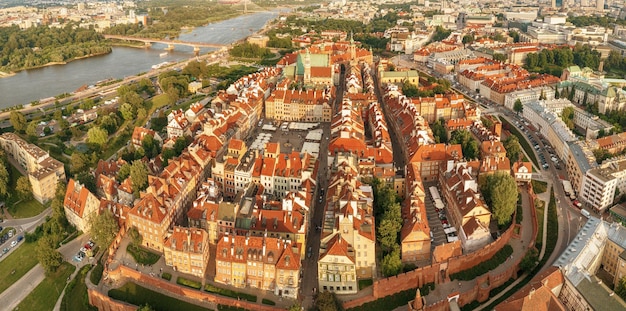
170,43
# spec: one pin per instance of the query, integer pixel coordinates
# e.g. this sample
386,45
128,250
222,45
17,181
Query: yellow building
44,172
259,262
336,268
187,250
304,106
79,205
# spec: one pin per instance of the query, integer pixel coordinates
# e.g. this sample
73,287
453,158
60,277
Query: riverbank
12,73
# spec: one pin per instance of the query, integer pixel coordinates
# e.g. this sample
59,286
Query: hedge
189,283
268,302
229,293
167,276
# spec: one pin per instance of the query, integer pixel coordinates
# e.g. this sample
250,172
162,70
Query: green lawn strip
393,301
188,283
365,283
229,293
522,141
139,296
539,187
16,264
46,294
75,297
96,273
142,256
485,266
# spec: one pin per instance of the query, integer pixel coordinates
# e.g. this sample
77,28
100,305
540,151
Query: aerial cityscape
426,155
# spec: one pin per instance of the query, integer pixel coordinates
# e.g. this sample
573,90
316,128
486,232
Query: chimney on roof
232,249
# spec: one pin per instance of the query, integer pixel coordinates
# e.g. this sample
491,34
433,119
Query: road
309,265
13,295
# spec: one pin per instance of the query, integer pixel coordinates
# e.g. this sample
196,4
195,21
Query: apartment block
44,172
187,250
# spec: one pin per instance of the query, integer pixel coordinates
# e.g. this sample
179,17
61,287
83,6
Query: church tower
307,66
352,50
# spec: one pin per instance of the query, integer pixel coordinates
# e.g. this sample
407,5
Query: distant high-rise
554,4
599,5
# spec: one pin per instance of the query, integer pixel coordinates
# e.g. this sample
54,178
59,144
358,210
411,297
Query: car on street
20,238
13,244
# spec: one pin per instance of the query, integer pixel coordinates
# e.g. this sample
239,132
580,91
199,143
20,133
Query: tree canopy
97,136
103,228
23,188
18,121
47,255
327,301
513,149
139,176
517,106
469,145
500,192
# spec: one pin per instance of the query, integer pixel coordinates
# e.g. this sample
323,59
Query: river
30,85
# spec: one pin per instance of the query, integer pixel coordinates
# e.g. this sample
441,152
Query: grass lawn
25,209
22,209
142,255
75,297
46,294
137,295
539,186
160,100
540,210
20,261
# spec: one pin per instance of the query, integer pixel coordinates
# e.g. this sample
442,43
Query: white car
13,243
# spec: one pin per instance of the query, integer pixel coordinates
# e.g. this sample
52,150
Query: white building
550,125
527,96
599,184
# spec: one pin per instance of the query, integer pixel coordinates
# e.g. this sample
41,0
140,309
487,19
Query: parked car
20,238
13,244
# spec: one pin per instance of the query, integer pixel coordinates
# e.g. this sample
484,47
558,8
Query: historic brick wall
189,293
431,274
105,303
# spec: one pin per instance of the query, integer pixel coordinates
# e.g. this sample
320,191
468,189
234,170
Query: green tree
47,255
467,39
18,120
31,129
150,146
620,289
500,192
530,260
23,188
123,173
128,111
392,264
103,228
295,307
78,162
97,136
327,301
409,90
139,176
513,149
134,235
468,144
4,180
567,115
517,106
499,57
439,131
